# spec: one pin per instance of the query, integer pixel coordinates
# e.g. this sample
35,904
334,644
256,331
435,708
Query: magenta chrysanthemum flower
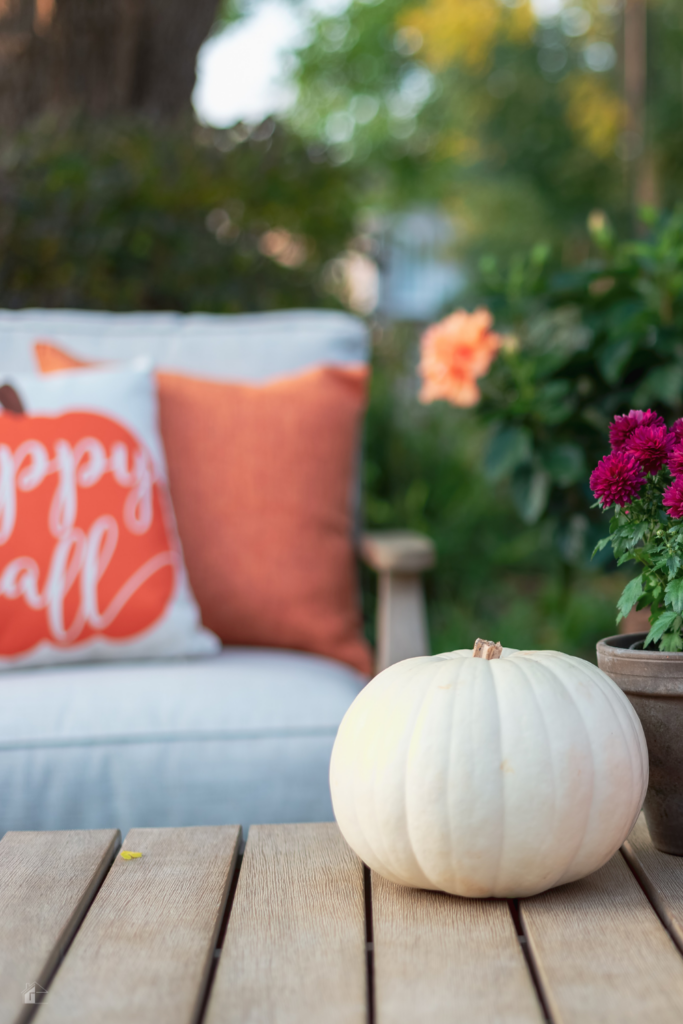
672,499
676,459
677,429
617,479
622,427
651,446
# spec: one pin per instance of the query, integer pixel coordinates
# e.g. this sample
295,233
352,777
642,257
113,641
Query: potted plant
642,481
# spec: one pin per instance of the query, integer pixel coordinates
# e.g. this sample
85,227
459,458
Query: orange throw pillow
261,481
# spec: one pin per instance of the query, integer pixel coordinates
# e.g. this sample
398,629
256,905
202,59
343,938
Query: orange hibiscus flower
455,353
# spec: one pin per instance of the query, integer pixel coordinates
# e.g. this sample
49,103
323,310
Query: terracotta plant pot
653,682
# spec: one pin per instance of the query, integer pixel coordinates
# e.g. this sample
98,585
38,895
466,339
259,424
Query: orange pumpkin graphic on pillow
85,550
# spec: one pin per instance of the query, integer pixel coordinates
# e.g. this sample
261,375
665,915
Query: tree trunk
643,179
100,57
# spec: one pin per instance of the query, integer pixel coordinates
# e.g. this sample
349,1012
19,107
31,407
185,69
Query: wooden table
297,931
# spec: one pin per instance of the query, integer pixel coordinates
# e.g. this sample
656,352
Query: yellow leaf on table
129,854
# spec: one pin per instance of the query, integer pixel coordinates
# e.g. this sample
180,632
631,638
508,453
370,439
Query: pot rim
618,646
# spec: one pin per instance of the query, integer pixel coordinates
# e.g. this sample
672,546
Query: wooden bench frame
399,557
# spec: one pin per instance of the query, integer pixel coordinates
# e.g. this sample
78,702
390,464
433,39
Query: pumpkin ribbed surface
488,778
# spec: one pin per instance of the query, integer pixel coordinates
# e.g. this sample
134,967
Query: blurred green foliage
512,123
484,131
503,489
584,344
496,576
132,216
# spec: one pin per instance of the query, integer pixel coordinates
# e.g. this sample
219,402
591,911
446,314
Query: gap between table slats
295,946
661,877
369,943
47,882
440,957
601,952
220,938
145,949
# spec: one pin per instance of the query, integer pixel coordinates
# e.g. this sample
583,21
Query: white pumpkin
499,777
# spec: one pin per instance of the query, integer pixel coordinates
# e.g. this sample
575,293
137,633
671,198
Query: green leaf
662,384
630,596
637,533
554,403
554,336
565,463
510,448
540,254
649,215
614,358
660,627
530,492
671,642
673,564
673,595
571,537
602,544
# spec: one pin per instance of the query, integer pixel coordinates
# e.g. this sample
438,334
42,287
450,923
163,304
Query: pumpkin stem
10,400
487,649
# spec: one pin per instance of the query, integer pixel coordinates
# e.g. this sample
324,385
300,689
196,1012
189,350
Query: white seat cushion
244,737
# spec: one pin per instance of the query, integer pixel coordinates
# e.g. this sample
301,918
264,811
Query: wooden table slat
144,950
441,958
601,952
295,948
660,874
47,882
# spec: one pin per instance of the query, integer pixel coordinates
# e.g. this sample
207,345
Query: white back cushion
240,347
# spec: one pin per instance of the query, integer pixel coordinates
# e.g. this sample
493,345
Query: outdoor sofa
244,736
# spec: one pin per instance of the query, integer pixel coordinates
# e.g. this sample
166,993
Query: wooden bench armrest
397,551
399,557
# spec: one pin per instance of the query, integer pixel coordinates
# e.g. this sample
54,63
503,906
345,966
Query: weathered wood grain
144,950
660,874
441,958
47,881
295,946
601,952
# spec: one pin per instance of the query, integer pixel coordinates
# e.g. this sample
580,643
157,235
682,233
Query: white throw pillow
91,565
